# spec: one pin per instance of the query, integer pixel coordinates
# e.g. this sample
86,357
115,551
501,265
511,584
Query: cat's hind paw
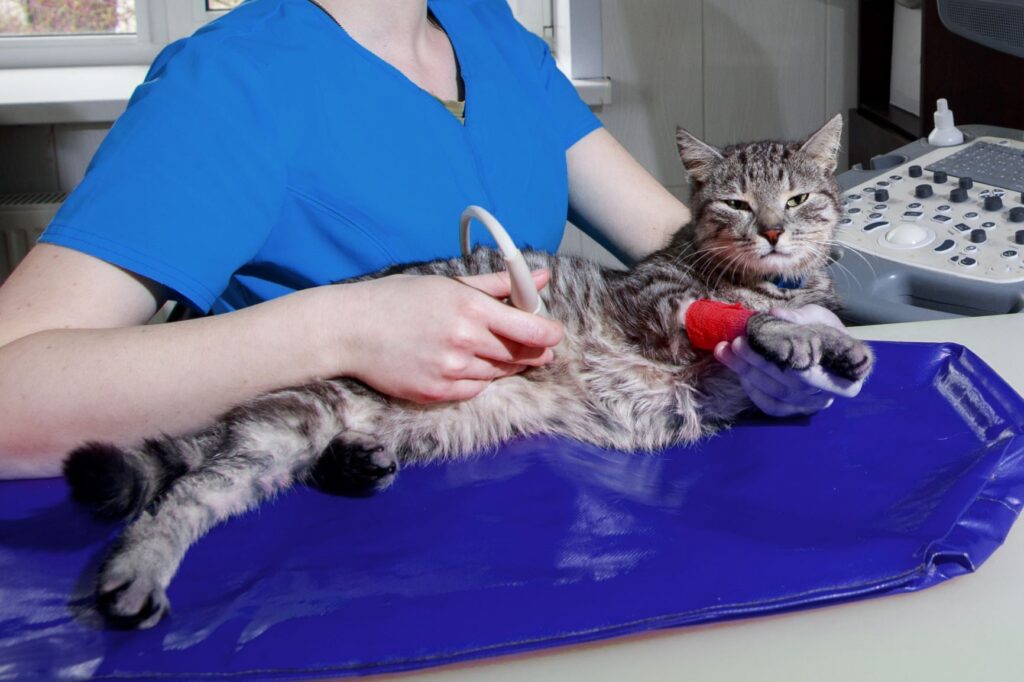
353,464
130,601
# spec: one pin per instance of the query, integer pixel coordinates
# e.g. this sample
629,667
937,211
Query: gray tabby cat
624,377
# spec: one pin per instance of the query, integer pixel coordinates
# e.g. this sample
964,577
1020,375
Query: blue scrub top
271,152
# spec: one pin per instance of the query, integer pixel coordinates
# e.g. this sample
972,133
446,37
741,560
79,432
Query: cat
624,377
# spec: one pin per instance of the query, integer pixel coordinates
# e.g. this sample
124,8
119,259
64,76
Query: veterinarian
289,145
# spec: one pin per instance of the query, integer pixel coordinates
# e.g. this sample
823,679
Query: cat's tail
117,482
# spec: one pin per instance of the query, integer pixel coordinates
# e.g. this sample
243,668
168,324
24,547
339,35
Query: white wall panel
764,69
652,52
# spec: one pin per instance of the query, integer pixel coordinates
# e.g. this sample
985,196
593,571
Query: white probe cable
524,291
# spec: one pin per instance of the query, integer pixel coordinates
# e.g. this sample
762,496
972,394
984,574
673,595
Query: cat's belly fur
599,389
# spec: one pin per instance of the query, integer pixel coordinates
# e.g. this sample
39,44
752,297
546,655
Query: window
96,32
66,17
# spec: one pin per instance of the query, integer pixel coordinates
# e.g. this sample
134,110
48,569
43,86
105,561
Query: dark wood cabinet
982,85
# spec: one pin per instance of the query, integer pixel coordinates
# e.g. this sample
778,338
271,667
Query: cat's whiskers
835,242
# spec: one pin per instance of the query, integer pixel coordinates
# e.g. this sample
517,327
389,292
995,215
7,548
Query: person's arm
77,363
617,200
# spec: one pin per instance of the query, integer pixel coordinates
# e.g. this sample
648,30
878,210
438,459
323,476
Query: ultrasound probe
524,290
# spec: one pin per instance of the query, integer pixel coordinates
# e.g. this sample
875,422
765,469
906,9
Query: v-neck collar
458,53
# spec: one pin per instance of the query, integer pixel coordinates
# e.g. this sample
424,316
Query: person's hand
784,393
429,339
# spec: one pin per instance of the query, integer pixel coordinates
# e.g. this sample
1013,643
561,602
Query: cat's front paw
846,356
801,346
788,345
128,596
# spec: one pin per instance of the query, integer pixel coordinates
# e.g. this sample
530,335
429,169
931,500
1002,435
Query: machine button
895,178
1018,237
993,203
1009,254
923,191
988,225
940,177
874,216
970,215
968,262
962,227
845,221
1017,214
881,195
958,195
965,182
907,235
941,218
883,183
853,197
914,171
970,248
881,207
881,223
914,205
853,211
978,236
945,246
944,208
912,215
954,259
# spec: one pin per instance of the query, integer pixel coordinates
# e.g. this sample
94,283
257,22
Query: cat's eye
797,200
737,205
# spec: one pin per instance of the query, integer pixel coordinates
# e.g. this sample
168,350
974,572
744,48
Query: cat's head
763,210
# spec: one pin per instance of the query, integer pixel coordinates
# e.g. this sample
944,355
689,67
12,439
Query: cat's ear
823,146
697,157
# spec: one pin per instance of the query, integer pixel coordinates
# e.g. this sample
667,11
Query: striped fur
624,377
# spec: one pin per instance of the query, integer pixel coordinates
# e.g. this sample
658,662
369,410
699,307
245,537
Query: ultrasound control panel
933,232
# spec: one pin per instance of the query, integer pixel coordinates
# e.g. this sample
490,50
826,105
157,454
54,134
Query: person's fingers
464,389
523,328
492,347
808,314
741,347
775,407
498,284
820,379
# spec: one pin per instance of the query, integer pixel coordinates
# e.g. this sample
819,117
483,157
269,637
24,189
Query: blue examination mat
548,542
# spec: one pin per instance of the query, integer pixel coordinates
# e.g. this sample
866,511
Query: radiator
23,217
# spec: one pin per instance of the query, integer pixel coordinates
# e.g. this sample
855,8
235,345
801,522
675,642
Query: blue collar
787,283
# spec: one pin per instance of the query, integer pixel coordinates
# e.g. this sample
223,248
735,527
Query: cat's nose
772,233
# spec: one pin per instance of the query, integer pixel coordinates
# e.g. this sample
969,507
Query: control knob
1018,238
881,195
958,195
924,191
940,177
993,202
1017,214
978,236
966,182
914,171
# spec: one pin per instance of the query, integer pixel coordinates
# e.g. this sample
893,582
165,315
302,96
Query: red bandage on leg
709,322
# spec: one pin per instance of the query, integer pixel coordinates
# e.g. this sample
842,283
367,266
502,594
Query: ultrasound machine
935,228
934,232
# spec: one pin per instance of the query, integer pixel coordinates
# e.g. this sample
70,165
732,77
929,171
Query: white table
970,628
